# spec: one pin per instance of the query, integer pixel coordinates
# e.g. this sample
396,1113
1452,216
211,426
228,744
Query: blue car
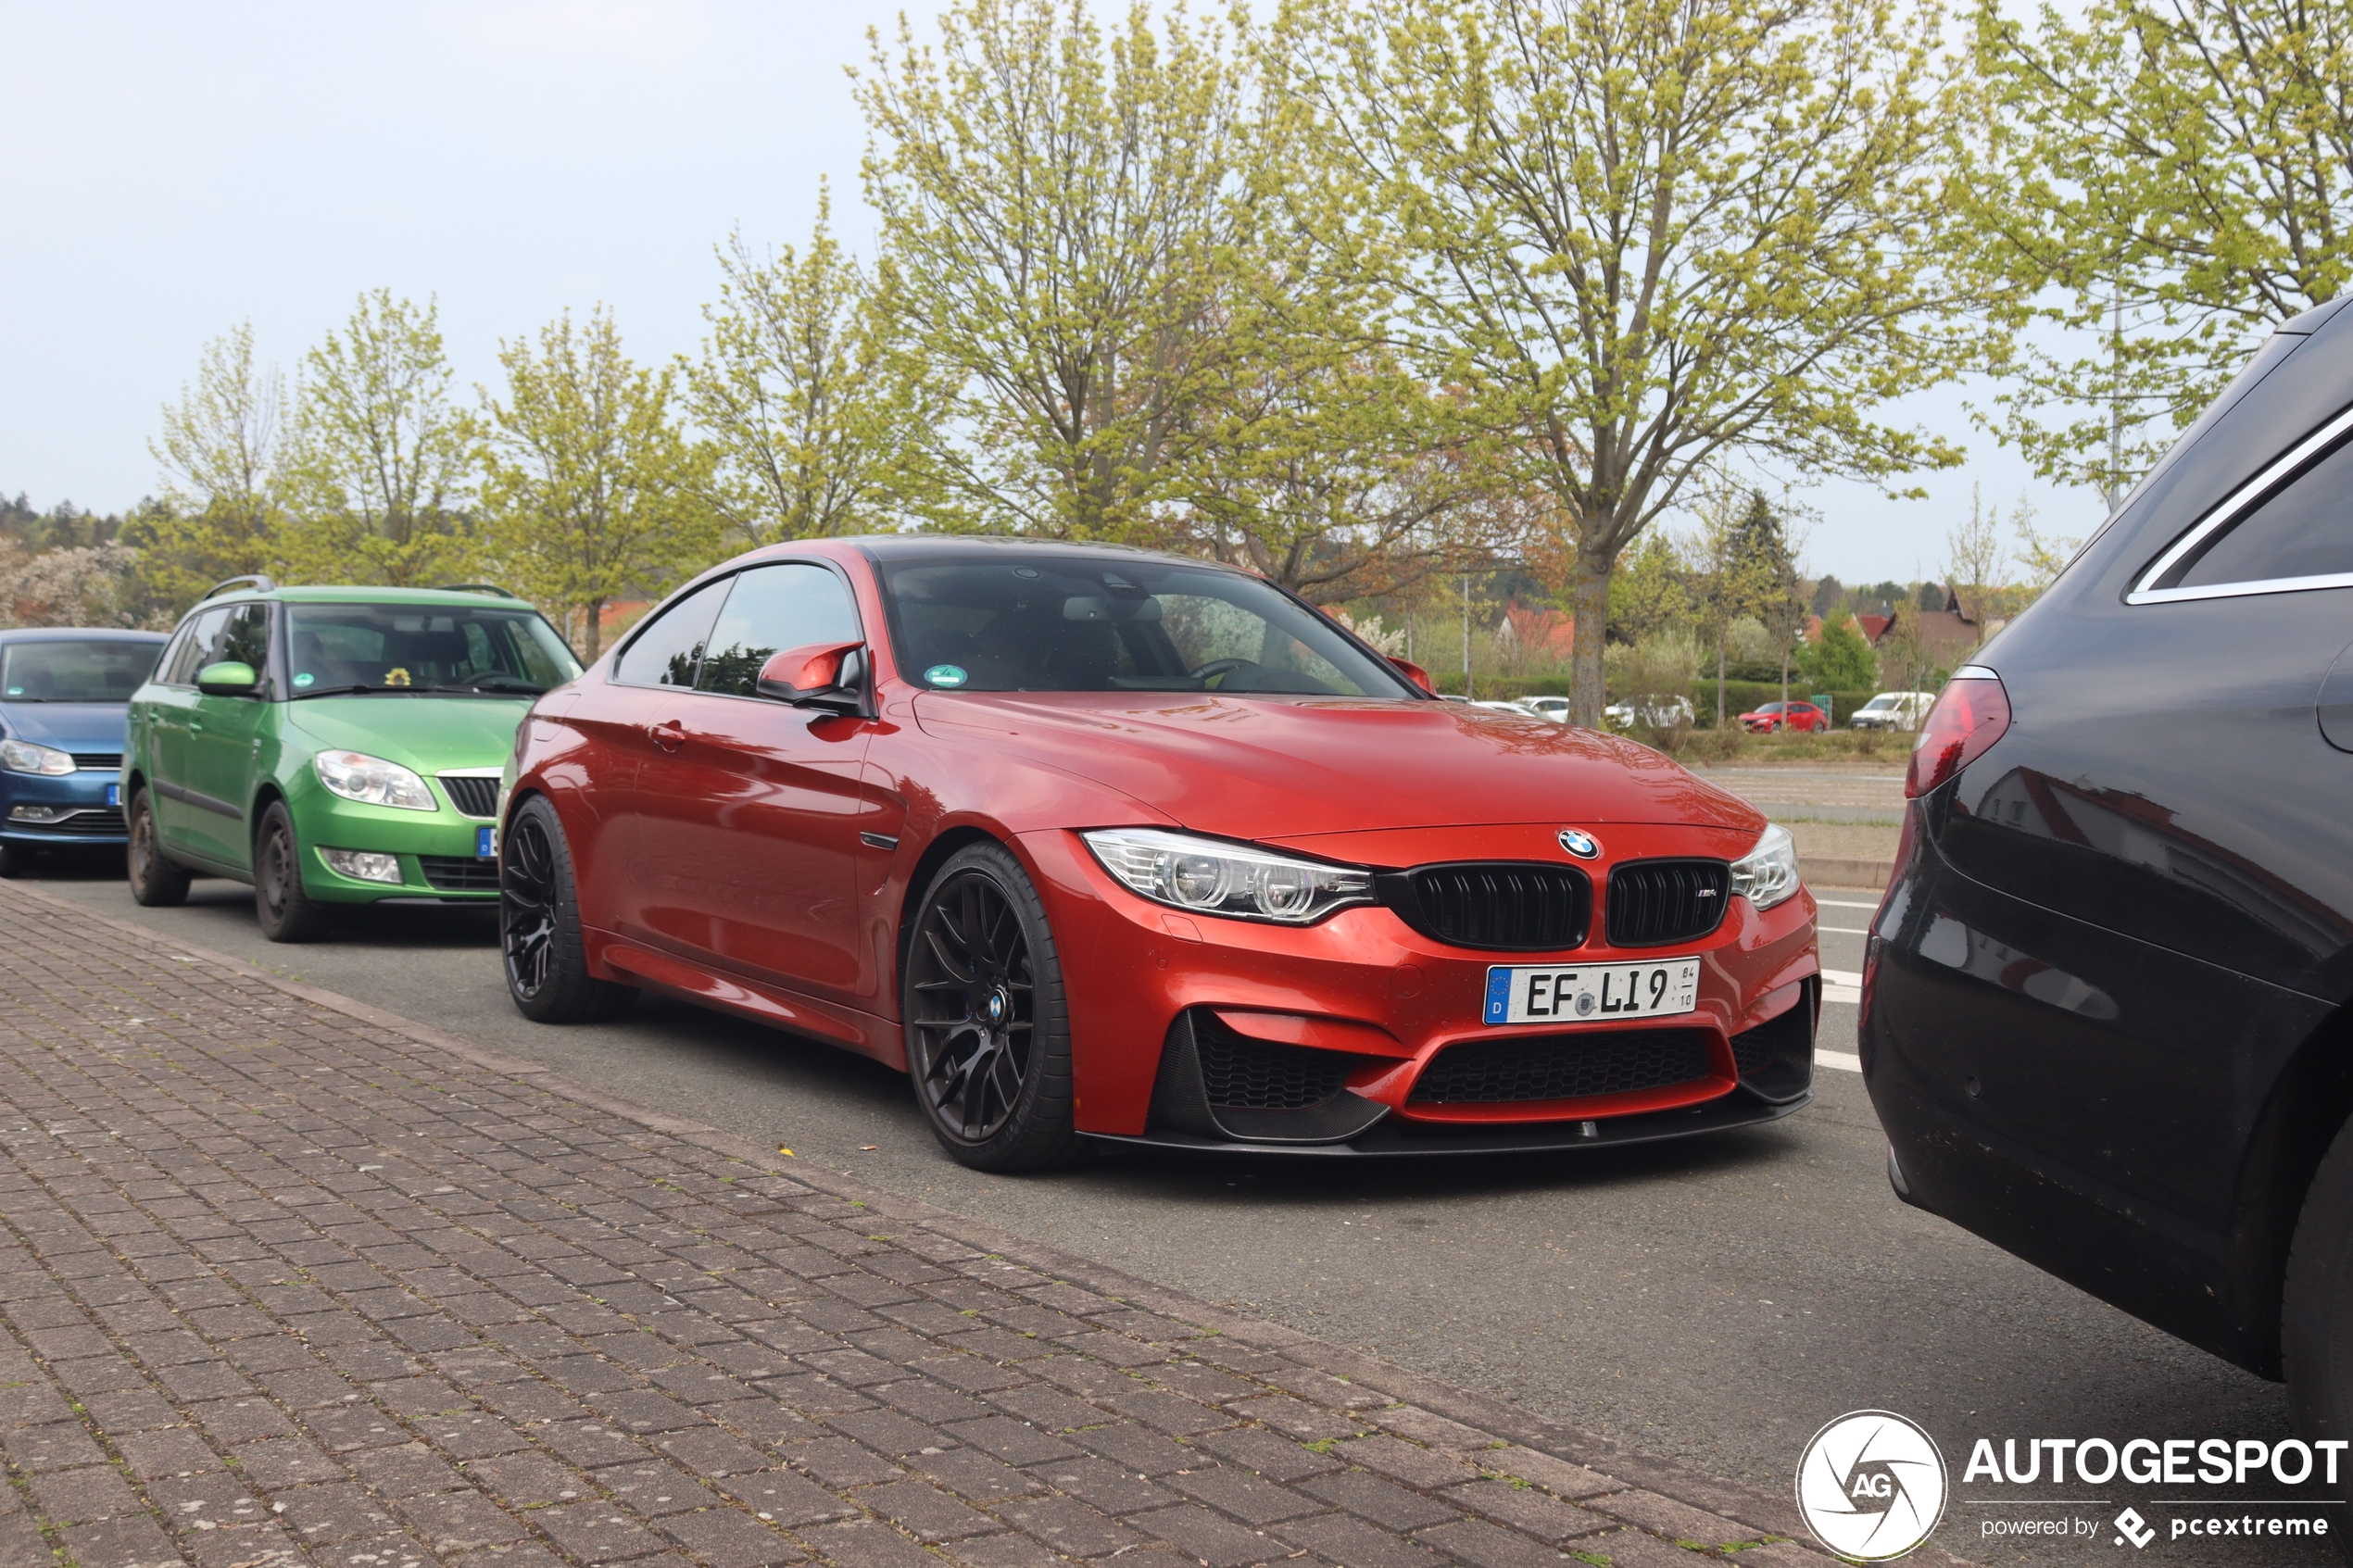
64,694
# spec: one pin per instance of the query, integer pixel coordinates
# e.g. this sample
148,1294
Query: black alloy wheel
156,881
987,1039
286,910
539,942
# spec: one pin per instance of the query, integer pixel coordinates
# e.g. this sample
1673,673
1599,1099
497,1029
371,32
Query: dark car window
97,670
246,639
2303,529
789,606
492,649
665,651
193,649
1054,623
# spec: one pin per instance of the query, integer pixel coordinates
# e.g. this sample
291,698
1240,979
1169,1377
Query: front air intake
1577,1066
1654,902
1501,906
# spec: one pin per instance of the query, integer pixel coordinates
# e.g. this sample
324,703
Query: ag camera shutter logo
1871,1485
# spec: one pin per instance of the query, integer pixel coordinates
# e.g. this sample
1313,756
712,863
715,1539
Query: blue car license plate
486,844
114,795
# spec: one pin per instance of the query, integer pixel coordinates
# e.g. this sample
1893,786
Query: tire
988,1029
156,882
2316,1318
287,912
15,860
541,953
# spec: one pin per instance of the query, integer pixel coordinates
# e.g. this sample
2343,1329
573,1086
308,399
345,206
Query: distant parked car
63,695
1893,711
1518,710
1652,714
1553,707
1773,716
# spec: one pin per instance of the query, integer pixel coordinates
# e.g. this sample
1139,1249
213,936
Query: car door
748,809
166,712
615,718
224,739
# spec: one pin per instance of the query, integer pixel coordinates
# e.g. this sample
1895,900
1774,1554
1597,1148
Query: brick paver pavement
284,1279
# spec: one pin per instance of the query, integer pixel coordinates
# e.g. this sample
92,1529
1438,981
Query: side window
665,652
194,650
2302,529
247,637
773,608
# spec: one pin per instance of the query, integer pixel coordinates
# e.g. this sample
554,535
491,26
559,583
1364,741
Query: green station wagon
332,745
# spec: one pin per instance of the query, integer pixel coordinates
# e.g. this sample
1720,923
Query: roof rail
476,588
253,580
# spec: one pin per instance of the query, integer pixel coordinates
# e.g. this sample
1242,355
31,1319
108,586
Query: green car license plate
486,844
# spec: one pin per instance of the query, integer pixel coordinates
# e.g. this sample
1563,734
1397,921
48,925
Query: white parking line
1843,903
1845,1062
1842,985
1845,930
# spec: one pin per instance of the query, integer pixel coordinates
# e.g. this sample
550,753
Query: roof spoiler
476,588
253,580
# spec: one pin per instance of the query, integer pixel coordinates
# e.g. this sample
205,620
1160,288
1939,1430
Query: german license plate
486,844
114,795
1551,992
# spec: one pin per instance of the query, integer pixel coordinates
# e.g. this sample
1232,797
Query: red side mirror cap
811,676
1414,673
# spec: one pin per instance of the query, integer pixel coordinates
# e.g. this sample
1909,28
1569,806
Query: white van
1893,711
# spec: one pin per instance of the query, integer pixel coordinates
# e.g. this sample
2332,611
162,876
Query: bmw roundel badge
1584,846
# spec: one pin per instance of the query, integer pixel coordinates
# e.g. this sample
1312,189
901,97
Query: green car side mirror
229,678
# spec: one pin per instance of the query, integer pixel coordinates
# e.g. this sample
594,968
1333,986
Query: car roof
900,547
79,633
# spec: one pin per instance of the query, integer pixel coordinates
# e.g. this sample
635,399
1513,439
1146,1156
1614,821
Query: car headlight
371,781
1767,873
1209,876
23,757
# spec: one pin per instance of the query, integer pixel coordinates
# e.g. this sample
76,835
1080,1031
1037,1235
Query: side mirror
1414,673
822,675
229,678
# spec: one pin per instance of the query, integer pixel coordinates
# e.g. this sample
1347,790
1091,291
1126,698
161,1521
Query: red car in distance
1766,718
1100,844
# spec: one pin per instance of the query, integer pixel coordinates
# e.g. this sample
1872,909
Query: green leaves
2164,182
591,492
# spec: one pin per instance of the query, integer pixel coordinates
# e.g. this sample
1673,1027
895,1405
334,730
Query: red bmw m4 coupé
1097,844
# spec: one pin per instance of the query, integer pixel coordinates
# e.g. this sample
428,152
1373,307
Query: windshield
365,647
1051,623
101,669
1876,703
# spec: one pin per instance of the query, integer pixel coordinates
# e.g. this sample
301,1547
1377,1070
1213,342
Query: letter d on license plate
1589,993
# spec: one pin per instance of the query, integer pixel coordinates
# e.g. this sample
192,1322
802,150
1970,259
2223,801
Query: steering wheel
1223,666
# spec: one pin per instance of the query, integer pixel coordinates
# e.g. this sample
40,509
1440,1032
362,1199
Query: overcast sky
168,170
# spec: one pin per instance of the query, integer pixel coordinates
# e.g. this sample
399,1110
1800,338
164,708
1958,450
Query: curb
1670,1478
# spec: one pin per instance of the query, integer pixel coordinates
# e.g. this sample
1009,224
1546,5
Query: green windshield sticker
304,678
16,691
949,675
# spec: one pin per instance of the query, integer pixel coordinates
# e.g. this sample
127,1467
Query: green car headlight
371,781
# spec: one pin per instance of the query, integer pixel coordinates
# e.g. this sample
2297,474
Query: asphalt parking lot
1715,1300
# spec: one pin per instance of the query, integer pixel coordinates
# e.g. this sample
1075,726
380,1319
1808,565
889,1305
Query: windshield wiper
500,686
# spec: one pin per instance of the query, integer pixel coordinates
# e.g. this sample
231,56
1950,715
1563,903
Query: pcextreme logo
1871,1485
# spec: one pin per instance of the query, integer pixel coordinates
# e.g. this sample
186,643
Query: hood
1265,768
423,733
69,726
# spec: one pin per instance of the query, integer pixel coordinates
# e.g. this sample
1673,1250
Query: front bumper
1366,990
81,806
437,852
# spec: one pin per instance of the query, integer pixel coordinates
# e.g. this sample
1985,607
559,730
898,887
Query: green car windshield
398,648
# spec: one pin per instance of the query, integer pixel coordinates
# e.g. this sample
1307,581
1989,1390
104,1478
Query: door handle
670,735
195,726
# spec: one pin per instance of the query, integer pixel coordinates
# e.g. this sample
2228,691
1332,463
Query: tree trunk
594,635
1720,676
1784,677
1588,601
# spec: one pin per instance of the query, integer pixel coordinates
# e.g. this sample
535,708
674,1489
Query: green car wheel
287,913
